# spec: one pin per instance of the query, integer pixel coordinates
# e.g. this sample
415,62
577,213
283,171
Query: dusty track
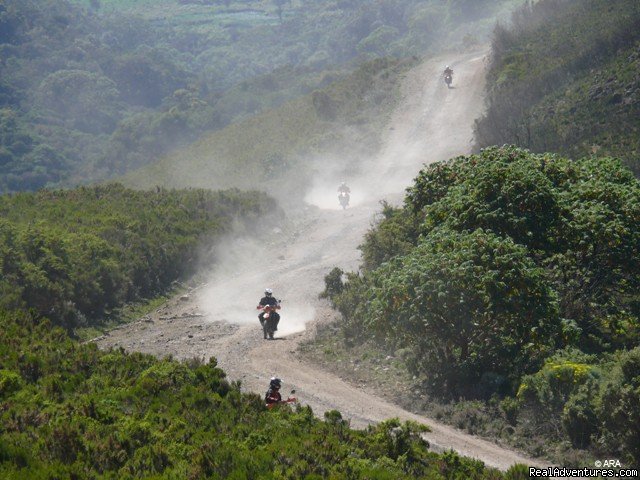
432,123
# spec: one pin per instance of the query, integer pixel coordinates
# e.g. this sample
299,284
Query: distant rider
273,394
270,300
448,71
344,189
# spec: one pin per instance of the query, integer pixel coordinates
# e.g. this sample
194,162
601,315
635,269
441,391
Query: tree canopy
511,273
72,255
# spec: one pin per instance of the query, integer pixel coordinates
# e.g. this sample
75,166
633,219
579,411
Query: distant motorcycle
343,198
448,78
284,402
270,319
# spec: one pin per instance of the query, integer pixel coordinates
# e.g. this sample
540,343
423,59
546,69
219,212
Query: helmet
447,67
268,292
343,184
275,382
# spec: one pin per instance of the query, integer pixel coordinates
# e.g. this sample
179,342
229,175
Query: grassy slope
73,411
596,114
347,115
566,80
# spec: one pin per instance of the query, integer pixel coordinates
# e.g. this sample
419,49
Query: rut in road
432,123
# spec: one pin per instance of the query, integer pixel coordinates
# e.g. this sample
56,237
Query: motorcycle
448,78
270,319
289,400
343,198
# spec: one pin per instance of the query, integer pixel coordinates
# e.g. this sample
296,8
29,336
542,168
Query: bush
9,382
619,409
579,418
333,283
445,297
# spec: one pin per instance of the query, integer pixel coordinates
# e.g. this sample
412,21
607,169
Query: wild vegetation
73,411
74,255
339,124
92,89
69,410
564,78
513,276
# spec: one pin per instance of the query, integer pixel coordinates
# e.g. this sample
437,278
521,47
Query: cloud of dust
422,132
243,269
386,174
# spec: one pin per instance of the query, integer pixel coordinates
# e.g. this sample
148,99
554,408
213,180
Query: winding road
431,123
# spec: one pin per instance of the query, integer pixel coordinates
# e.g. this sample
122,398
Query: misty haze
437,198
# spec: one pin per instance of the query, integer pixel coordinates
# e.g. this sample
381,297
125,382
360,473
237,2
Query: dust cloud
244,268
424,130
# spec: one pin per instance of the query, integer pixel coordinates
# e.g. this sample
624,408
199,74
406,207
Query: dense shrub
578,220
94,414
74,255
509,272
619,408
467,305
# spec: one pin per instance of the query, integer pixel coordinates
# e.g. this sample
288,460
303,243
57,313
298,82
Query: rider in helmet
343,188
448,71
273,394
270,300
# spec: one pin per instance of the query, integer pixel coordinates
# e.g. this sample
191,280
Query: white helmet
268,291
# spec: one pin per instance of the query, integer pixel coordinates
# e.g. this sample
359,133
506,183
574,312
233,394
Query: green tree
619,409
467,305
84,100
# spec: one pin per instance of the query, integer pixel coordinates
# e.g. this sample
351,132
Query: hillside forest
505,283
92,89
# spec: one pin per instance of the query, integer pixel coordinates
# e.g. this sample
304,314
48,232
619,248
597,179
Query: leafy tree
147,76
395,235
619,409
85,101
467,305
578,219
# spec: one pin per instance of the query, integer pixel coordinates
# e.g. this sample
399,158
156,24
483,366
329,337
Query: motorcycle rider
273,394
448,71
344,189
270,300
344,194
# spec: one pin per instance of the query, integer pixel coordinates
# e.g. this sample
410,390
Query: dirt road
432,123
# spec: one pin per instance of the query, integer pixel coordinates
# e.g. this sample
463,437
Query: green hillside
564,78
71,411
92,89
343,120
512,278
75,255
